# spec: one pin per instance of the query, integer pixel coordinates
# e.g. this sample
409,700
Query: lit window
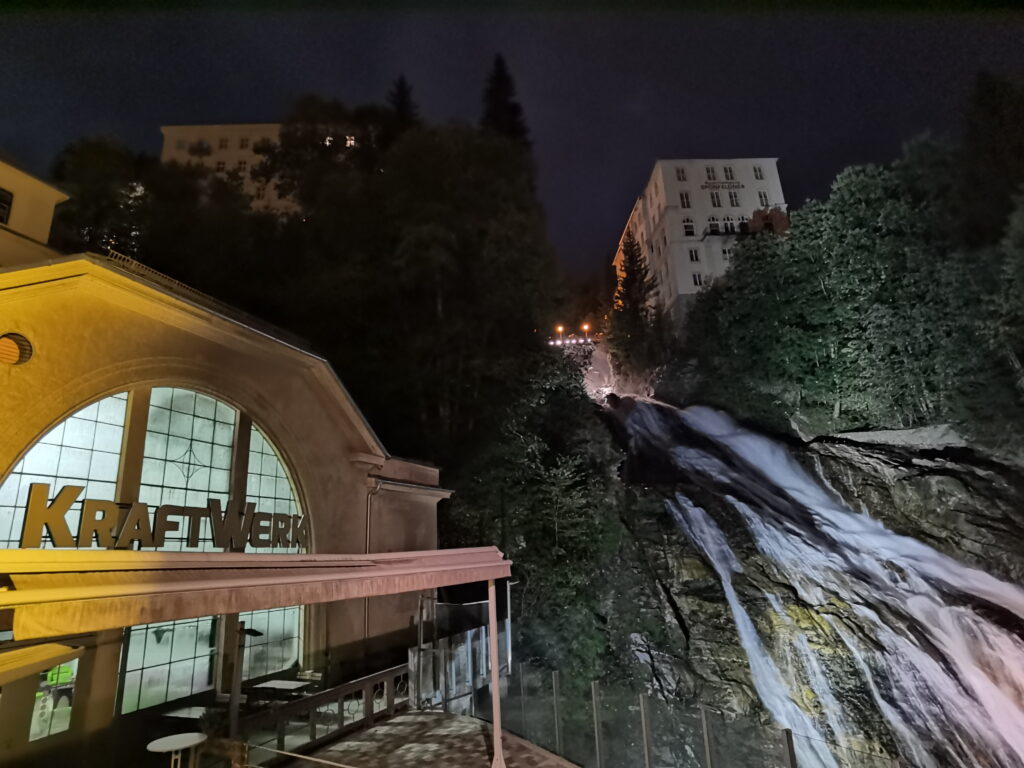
710,170
6,198
181,144
698,280
688,229
52,710
220,166
716,200
734,199
84,449
350,141
243,143
242,166
222,144
728,173
694,254
684,199
713,225
758,173
680,174
762,197
728,224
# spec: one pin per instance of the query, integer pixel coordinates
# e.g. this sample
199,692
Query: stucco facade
225,149
688,218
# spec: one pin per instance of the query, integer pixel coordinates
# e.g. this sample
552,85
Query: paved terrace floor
433,740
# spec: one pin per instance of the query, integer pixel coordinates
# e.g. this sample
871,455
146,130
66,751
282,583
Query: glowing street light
560,329
586,331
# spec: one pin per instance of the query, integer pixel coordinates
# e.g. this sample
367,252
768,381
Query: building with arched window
190,502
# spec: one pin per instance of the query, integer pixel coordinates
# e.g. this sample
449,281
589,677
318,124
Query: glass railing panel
676,736
621,731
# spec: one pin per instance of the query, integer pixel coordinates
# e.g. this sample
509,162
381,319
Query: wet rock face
959,501
838,633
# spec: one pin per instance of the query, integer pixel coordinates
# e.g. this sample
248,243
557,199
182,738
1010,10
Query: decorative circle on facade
15,349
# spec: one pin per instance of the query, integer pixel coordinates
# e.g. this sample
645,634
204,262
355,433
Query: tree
991,158
400,100
502,113
634,333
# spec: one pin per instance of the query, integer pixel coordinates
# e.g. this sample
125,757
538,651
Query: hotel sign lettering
721,185
125,526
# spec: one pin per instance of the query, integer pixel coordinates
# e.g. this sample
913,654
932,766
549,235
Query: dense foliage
880,307
417,262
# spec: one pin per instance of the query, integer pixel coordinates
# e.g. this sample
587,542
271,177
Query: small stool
175,744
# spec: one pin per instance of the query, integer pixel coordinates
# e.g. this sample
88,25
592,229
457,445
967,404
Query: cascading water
938,643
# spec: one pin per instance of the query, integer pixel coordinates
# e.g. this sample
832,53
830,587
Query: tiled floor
433,740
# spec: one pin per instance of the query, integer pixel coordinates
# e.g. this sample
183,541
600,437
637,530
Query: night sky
605,94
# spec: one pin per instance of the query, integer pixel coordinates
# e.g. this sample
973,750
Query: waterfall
932,638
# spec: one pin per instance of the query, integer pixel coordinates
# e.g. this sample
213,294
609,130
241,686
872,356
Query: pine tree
400,100
632,335
502,113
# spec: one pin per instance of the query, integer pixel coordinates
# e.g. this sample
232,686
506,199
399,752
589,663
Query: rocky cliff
861,593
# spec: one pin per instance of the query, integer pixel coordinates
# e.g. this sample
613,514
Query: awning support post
236,681
492,637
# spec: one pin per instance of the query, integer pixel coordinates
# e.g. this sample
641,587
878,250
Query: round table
175,744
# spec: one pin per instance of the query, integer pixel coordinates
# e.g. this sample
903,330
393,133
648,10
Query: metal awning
24,662
62,592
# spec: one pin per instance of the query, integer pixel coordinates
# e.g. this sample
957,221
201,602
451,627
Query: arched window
728,225
186,459
713,226
688,229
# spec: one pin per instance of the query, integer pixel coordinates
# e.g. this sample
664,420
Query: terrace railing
306,723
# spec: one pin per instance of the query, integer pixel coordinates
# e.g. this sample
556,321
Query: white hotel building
689,215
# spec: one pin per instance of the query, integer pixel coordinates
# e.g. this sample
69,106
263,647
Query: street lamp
586,331
560,329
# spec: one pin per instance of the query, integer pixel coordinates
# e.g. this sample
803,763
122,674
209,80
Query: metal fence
601,726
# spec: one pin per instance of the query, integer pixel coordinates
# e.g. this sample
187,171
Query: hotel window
6,199
220,166
762,198
350,141
242,166
688,229
710,171
680,174
51,712
716,200
728,173
684,199
727,253
713,225
728,224
243,143
734,199
758,173
261,192
222,144
694,254
698,280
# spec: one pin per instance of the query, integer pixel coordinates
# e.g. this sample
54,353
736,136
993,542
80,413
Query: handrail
306,703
